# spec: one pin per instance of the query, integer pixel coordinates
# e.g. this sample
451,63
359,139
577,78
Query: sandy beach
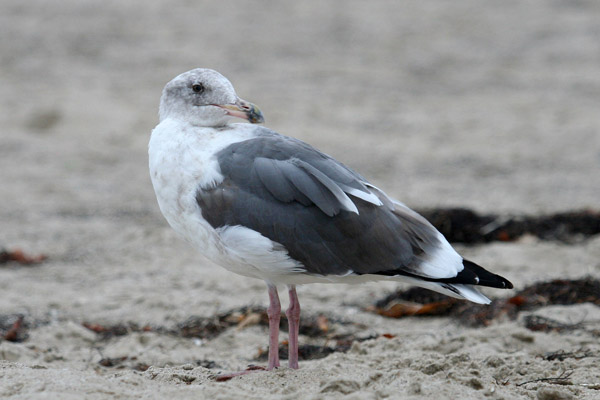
488,106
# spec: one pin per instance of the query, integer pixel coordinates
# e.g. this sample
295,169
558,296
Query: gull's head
204,97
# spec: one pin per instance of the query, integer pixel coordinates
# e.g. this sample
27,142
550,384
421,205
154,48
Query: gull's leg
293,315
274,313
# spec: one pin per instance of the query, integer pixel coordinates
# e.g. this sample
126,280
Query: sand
491,106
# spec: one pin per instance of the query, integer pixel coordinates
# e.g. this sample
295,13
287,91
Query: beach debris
226,377
20,257
112,362
560,291
460,225
209,364
335,344
414,301
133,363
562,355
250,319
109,331
12,328
422,302
334,334
562,379
593,386
123,362
538,323
210,327
411,302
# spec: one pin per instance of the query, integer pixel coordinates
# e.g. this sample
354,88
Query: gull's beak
244,110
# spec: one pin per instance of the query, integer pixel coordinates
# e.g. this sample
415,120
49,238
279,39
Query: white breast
182,160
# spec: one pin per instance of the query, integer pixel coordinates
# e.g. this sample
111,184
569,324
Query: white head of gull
271,207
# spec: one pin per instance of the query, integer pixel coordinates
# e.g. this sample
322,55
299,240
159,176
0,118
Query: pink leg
293,315
274,313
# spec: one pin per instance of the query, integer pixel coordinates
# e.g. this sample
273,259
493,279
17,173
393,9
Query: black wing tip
485,277
472,274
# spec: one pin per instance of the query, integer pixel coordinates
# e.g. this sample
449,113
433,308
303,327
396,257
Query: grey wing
327,217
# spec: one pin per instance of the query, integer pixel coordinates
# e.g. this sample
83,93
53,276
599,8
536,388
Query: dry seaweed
317,326
422,302
560,291
341,343
19,257
538,323
465,226
210,364
209,327
106,332
561,355
13,328
123,362
562,379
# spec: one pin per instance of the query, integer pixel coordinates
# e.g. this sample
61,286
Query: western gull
272,207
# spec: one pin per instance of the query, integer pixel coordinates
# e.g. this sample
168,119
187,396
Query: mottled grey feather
284,189
293,175
294,179
333,187
275,181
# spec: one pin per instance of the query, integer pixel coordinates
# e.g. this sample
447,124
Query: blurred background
492,106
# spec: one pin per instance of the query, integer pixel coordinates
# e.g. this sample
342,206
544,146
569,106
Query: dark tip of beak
253,113
255,116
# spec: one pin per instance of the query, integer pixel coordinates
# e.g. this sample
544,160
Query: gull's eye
198,88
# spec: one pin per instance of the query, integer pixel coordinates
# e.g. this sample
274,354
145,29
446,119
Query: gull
271,207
